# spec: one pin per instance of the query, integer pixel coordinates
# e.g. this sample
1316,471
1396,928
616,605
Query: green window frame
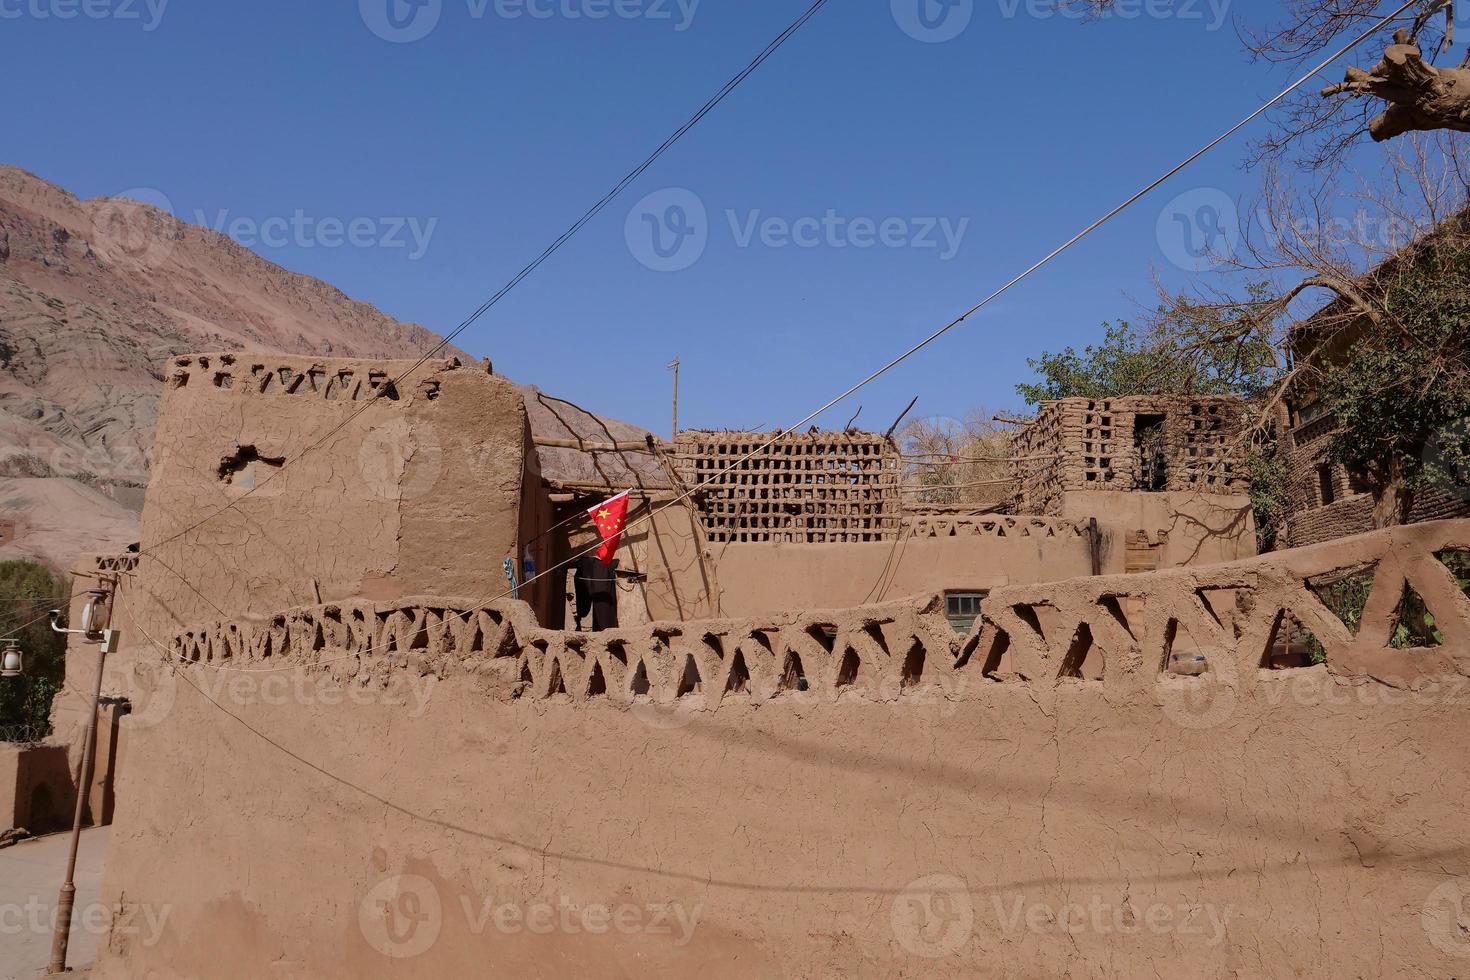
962,608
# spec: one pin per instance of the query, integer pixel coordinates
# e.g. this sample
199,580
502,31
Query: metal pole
674,366
62,930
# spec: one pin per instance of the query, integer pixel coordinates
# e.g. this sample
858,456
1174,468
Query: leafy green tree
1129,362
1400,392
27,591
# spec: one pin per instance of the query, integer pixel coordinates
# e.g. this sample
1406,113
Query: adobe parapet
1113,633
860,792
329,379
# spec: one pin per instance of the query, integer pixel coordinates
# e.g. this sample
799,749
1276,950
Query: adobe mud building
1325,500
351,755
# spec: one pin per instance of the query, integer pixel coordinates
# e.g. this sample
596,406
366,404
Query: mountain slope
94,296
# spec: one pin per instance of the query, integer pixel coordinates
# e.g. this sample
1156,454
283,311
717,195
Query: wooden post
1094,539
673,366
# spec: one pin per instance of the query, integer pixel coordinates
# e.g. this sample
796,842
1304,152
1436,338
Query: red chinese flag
609,517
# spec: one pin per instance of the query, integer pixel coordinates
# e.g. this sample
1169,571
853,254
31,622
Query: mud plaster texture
419,493
920,804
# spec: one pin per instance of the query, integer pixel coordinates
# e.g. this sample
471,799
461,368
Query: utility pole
95,621
674,366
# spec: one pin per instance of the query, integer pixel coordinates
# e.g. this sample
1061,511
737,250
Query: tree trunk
1419,95
1394,500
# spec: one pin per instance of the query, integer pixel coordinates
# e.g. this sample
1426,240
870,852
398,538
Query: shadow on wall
1125,801
41,791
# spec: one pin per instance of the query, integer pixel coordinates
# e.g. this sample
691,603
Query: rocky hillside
94,296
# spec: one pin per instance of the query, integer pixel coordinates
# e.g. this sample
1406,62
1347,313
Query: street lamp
11,662
96,615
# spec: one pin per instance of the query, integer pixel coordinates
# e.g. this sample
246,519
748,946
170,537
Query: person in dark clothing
596,591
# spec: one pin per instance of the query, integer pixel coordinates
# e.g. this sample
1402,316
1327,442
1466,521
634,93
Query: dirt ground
30,875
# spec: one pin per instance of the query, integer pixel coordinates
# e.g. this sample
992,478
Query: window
1148,443
1358,480
1311,410
1326,492
962,609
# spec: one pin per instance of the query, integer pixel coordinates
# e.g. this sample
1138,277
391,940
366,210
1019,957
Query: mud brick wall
857,793
418,489
1309,520
809,488
1098,444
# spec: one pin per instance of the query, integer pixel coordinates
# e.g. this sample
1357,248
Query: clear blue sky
502,129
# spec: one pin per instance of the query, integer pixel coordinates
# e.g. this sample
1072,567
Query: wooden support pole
593,447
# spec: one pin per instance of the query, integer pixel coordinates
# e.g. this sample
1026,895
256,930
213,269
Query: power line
891,364
1132,199
592,212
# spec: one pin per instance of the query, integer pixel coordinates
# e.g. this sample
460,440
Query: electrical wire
994,294
592,212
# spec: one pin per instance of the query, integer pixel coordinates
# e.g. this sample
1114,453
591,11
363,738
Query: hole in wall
1084,661
246,467
793,674
1415,626
1291,644
825,634
691,682
1457,562
524,684
1345,593
738,681
1028,615
596,682
913,666
1000,648
1114,608
640,686
1183,655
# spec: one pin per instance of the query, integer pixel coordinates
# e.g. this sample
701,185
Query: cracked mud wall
419,492
964,832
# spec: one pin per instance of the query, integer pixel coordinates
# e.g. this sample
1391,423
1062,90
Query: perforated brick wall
1137,442
809,488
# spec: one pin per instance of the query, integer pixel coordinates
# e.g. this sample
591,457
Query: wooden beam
598,486
592,447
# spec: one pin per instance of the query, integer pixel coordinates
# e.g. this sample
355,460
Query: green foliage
1122,364
1401,393
1414,624
1346,596
27,591
1128,362
1269,485
1458,562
